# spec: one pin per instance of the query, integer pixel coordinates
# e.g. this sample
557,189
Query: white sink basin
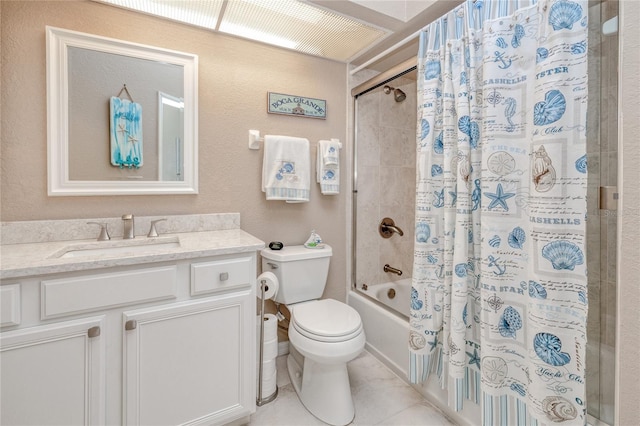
142,245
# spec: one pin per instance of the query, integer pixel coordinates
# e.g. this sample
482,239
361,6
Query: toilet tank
302,272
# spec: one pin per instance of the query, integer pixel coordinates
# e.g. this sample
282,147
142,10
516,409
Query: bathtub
394,295
386,326
386,322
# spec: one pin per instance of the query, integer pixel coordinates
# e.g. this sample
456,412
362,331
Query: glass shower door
602,157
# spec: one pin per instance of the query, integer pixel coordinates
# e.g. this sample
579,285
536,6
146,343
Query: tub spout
391,269
387,228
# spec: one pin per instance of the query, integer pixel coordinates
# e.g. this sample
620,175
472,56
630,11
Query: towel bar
255,139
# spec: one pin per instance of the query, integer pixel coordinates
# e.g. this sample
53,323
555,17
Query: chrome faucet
128,231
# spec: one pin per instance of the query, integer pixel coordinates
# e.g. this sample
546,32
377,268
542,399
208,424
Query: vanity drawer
88,293
221,275
9,305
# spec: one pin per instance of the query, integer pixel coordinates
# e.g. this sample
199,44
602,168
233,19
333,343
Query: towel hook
255,139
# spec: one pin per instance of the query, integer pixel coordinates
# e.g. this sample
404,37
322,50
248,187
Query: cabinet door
190,362
53,374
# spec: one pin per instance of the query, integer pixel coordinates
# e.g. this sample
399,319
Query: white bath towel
328,166
286,168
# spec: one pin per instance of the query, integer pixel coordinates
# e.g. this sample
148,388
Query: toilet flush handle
273,265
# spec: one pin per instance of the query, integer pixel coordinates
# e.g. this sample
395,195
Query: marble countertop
22,260
183,237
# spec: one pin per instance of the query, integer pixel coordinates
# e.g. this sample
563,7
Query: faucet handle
104,233
153,232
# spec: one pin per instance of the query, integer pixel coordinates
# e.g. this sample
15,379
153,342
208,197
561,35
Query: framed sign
299,106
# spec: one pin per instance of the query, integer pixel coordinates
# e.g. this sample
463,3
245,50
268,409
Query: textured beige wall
628,333
234,78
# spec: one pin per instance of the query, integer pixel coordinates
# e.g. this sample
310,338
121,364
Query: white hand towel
286,168
328,167
330,152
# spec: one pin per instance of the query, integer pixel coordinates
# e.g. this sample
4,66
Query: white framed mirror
107,101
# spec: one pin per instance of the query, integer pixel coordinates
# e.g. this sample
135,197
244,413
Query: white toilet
323,334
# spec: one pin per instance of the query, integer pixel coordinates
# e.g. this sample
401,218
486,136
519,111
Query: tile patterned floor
380,398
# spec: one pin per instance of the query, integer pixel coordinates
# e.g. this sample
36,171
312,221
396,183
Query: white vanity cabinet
156,344
54,374
192,362
188,363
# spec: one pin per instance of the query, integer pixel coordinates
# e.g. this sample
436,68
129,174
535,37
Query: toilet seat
326,320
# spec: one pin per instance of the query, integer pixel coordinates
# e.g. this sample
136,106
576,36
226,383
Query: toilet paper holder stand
260,401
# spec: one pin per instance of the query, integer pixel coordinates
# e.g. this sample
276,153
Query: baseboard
240,422
283,348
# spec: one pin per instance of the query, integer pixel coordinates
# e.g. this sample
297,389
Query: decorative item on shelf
314,241
300,106
276,245
125,131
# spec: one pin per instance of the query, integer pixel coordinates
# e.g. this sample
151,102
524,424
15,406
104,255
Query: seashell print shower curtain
499,291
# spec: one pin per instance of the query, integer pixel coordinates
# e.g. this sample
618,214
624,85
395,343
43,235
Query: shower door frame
379,80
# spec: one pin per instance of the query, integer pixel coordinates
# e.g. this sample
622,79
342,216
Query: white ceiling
403,10
402,17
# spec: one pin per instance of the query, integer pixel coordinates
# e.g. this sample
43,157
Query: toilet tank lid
289,253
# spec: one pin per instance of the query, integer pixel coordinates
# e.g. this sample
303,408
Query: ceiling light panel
292,24
202,13
300,26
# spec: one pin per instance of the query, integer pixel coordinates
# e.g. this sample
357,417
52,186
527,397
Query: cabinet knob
224,276
93,332
130,325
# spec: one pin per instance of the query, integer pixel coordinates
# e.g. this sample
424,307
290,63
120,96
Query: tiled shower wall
602,157
386,170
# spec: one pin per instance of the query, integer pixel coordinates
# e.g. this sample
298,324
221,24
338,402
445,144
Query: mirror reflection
170,136
94,78
121,117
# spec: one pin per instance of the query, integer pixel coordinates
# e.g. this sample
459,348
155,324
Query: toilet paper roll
268,368
271,285
270,347
266,375
269,385
267,392
270,327
270,350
